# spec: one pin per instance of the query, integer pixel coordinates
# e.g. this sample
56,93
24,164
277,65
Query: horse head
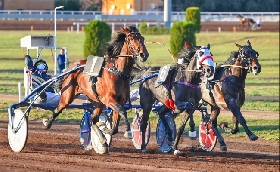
204,60
136,43
249,58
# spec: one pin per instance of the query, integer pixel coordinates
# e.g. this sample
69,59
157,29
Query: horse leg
235,128
67,97
237,113
188,110
143,126
215,111
120,111
146,102
192,132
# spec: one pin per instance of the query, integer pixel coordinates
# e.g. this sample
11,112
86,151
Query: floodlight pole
55,61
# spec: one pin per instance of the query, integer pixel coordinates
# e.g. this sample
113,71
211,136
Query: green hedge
180,33
144,29
193,15
97,34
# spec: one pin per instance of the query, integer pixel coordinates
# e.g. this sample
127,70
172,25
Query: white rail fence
156,16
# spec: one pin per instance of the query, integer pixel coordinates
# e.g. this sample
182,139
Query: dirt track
59,150
63,25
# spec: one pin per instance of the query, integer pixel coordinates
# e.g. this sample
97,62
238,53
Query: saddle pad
93,65
163,73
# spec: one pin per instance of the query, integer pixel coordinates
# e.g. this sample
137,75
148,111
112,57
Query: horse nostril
255,67
208,70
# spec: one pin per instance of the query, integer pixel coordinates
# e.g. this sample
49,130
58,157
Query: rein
165,47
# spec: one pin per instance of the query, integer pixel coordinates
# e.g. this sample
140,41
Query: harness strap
118,73
188,84
93,81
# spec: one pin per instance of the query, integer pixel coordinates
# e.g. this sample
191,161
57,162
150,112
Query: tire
161,133
207,137
136,132
18,139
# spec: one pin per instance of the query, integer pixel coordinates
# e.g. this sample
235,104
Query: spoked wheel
137,134
17,130
101,141
207,137
161,134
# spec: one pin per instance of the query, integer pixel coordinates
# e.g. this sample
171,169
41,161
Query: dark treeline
228,5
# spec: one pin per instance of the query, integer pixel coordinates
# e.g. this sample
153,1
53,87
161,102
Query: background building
126,7
28,4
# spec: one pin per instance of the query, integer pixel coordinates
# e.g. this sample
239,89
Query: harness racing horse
179,93
245,21
112,87
227,91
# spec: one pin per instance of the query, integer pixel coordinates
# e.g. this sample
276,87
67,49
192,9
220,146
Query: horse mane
232,58
186,54
114,47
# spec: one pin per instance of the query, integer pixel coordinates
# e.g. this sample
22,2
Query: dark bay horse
180,92
227,91
245,21
112,87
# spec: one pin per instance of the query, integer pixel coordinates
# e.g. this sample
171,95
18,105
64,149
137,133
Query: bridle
134,52
247,54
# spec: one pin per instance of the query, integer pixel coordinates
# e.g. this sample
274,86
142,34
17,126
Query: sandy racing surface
59,149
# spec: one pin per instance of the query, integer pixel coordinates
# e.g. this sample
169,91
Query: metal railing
136,16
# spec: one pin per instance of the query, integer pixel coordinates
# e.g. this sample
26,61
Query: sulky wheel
207,137
101,141
161,134
85,138
17,130
136,133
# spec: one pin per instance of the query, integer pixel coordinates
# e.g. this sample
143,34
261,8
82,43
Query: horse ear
124,30
249,43
208,46
239,46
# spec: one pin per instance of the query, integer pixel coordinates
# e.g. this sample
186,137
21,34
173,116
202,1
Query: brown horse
245,21
227,90
112,87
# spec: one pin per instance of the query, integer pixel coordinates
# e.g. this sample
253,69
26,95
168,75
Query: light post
55,61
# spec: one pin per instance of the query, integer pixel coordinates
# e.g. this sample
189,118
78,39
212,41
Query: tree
97,34
69,5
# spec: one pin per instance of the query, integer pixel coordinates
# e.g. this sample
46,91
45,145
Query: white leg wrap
192,134
128,134
176,152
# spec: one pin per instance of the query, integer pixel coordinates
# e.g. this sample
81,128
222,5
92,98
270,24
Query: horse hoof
128,134
144,150
223,125
223,148
176,152
105,150
192,135
47,124
234,131
253,137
